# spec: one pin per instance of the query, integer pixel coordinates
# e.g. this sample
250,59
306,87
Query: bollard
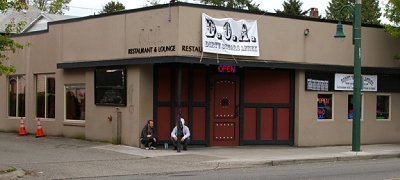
116,126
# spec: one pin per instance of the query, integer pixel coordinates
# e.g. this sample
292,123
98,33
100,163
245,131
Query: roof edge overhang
203,6
273,64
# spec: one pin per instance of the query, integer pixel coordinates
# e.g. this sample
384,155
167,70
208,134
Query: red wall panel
185,82
250,124
283,124
199,85
267,124
164,84
185,115
267,86
199,124
163,122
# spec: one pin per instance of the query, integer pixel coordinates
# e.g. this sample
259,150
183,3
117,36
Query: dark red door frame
274,106
190,104
224,110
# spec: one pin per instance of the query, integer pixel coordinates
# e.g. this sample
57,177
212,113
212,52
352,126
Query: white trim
390,107
362,107
332,104
80,123
17,77
73,122
45,94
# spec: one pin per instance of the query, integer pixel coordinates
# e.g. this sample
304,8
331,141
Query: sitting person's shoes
153,148
147,148
185,148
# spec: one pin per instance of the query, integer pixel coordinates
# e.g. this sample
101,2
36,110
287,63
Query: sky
89,7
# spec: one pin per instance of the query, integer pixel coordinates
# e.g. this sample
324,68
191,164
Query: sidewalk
245,156
58,158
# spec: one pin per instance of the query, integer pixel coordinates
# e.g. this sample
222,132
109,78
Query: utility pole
356,131
357,77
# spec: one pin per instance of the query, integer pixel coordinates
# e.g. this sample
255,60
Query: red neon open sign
226,69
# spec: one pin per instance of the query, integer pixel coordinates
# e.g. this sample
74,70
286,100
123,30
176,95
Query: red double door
224,110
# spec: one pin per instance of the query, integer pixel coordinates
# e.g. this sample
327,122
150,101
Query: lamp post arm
341,10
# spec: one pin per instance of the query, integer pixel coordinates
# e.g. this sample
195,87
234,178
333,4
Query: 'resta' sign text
228,36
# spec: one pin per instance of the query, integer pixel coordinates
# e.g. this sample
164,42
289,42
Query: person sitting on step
148,136
184,135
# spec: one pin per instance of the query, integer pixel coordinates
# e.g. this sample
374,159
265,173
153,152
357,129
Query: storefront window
382,107
16,98
75,101
325,106
110,86
45,95
350,107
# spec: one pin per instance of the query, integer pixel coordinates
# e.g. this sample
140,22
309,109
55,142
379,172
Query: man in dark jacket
148,137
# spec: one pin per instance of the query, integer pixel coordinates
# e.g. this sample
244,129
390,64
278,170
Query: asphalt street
383,169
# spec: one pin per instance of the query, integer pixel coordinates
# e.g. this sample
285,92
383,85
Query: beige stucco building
79,73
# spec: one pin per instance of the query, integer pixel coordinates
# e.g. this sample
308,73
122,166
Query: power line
84,8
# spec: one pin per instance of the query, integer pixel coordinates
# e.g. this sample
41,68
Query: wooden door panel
224,119
224,99
224,131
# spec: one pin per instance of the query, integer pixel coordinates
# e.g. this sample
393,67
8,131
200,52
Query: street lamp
357,70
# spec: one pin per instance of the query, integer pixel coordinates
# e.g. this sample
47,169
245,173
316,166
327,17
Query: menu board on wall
317,85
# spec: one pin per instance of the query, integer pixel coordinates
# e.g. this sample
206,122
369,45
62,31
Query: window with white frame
16,96
350,102
325,107
75,98
382,107
45,95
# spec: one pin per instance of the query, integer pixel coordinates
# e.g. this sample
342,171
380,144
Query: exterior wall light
339,30
306,31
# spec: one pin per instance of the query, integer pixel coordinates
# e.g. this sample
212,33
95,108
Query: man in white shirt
184,137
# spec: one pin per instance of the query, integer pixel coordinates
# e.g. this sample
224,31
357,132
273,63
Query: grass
10,169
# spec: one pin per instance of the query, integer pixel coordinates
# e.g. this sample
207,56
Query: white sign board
345,82
317,85
228,36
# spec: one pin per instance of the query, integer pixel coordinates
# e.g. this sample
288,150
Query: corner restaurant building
295,91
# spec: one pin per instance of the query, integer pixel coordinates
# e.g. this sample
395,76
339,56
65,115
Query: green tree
51,6
237,4
293,8
370,11
112,7
393,15
7,44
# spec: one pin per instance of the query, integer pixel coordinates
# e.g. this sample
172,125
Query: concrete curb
238,164
18,173
334,159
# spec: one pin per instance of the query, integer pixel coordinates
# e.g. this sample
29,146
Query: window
110,86
383,107
350,102
45,95
75,101
325,107
16,97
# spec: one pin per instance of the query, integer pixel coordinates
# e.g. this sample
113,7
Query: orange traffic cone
22,131
39,130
